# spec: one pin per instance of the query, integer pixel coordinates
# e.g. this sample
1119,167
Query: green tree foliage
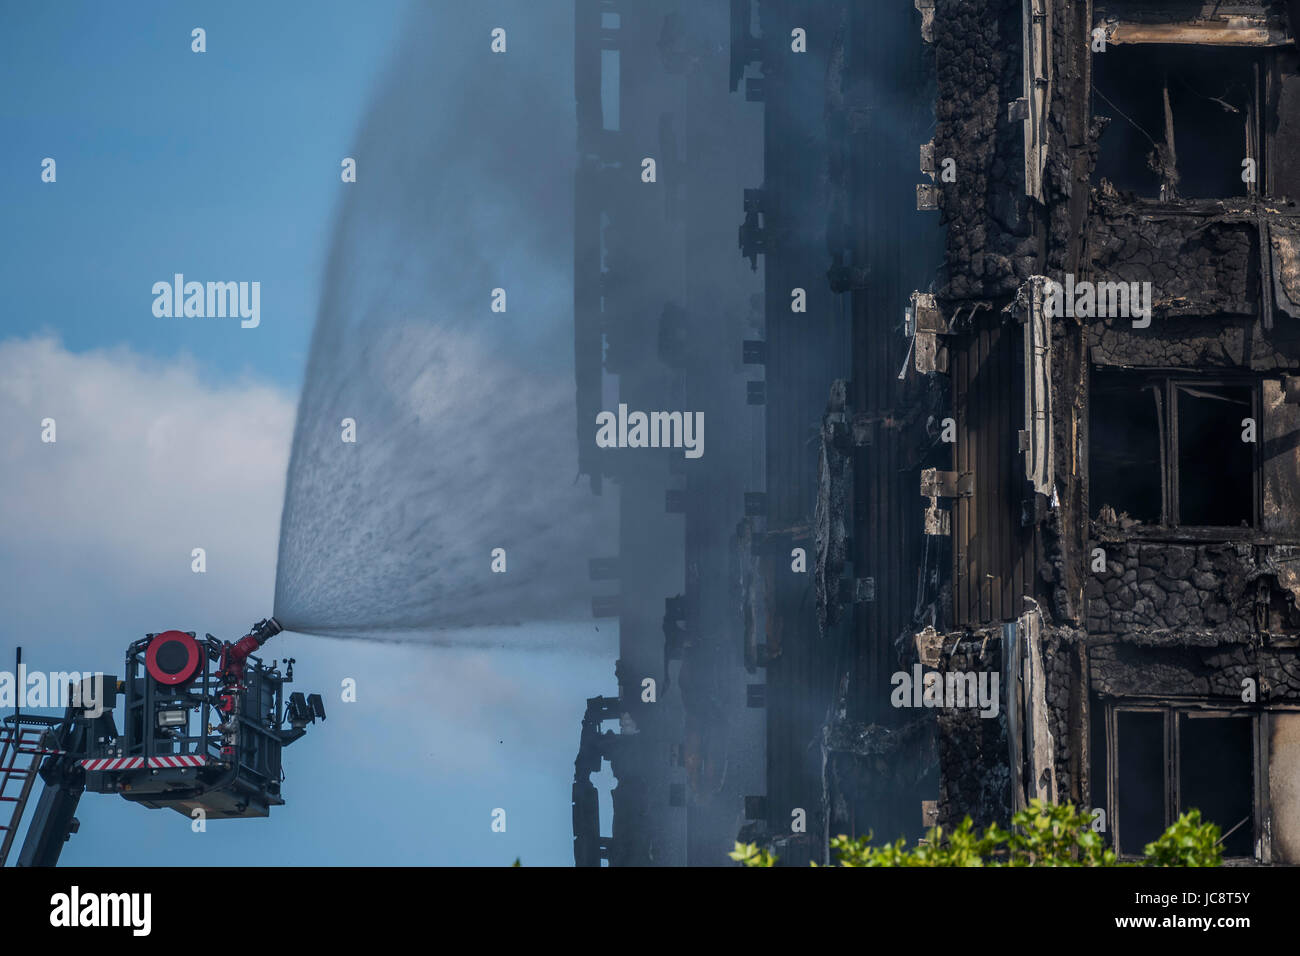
1189,842
750,854
1043,834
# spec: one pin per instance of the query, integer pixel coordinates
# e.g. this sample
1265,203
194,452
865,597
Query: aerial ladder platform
203,726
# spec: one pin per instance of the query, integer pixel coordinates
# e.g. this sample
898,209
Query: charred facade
1024,386
1120,498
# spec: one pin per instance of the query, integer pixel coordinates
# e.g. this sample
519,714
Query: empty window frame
1216,775
1160,761
1172,451
1183,119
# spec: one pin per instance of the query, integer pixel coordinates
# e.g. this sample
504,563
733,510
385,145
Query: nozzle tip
265,629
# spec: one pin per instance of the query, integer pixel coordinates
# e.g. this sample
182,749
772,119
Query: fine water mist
465,432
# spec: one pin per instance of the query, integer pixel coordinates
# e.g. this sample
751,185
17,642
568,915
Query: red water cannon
235,656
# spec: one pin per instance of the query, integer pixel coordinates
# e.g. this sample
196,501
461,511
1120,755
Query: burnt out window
1182,119
1217,775
1172,451
1127,434
1140,778
1215,467
1161,761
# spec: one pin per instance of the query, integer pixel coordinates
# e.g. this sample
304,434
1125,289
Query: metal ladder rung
19,742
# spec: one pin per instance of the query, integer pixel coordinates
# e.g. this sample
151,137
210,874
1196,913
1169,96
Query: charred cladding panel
991,543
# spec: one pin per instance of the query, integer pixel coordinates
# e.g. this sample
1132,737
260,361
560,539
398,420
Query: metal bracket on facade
929,645
929,813
930,355
926,315
937,484
947,484
927,159
925,322
938,521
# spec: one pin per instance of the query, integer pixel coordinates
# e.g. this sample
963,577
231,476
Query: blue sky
225,166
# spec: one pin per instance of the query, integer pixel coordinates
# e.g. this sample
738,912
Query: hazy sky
175,433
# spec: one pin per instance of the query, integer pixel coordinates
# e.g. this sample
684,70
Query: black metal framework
259,717
146,699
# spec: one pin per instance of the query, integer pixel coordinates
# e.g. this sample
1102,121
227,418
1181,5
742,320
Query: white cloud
149,463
